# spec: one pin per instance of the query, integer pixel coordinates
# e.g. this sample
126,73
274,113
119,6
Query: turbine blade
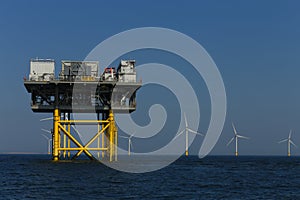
230,141
178,134
234,130
45,119
282,141
195,132
47,131
45,136
293,144
185,120
290,134
240,136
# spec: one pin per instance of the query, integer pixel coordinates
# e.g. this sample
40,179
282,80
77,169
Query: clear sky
255,44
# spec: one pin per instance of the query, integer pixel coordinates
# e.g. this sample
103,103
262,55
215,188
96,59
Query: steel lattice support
107,133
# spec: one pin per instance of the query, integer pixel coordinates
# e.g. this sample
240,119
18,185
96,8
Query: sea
213,177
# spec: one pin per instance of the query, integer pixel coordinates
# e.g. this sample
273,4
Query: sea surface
214,177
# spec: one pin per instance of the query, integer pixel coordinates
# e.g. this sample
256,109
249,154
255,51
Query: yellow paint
116,142
236,153
65,138
56,118
69,141
83,121
98,140
103,137
64,127
83,148
111,135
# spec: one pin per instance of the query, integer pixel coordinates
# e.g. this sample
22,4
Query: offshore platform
79,88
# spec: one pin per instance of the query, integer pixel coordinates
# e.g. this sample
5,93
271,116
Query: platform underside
83,97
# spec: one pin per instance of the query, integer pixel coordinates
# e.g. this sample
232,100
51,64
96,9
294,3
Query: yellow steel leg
56,118
69,141
113,138
103,137
111,134
65,145
105,140
98,141
116,143
59,141
65,139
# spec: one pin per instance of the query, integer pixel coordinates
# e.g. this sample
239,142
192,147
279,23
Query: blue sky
255,45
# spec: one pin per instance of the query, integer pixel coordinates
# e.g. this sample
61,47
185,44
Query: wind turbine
187,130
289,142
49,141
235,137
129,142
73,126
123,100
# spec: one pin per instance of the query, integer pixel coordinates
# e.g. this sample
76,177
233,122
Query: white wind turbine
129,143
289,142
235,137
187,130
73,126
49,140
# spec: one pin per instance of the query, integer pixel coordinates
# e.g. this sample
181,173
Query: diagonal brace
76,142
91,140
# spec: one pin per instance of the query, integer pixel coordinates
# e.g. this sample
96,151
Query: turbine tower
289,142
129,142
187,130
49,140
235,137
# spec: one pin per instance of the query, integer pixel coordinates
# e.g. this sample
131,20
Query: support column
98,139
105,137
113,137
69,141
64,138
186,142
56,118
116,142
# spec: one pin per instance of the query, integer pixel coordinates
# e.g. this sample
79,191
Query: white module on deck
85,70
41,70
126,71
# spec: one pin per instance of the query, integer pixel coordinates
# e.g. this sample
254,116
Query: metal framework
107,133
102,97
